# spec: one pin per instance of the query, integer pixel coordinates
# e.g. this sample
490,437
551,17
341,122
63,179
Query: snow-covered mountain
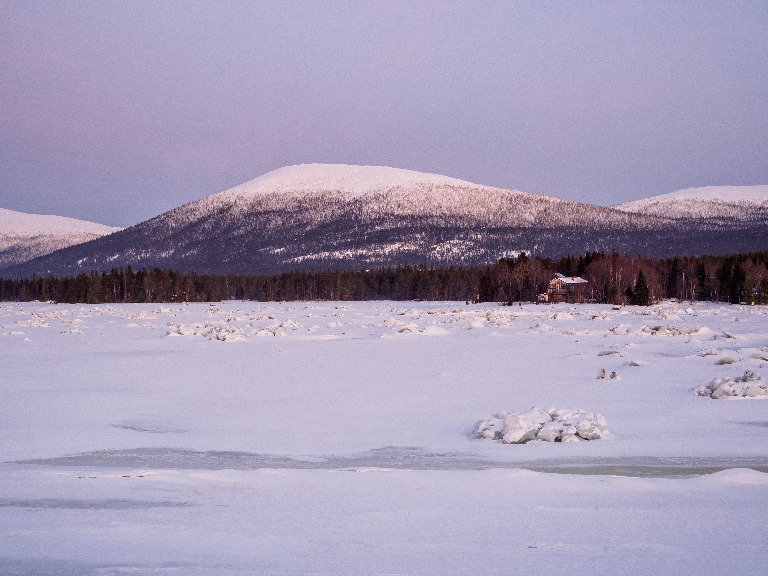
317,216
27,236
375,193
715,202
352,181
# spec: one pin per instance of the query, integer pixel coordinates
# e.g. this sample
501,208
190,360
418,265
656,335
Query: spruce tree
641,296
738,279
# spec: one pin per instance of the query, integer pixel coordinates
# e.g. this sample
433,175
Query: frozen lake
337,438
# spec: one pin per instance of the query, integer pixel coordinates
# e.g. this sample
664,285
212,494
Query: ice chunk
588,430
722,392
536,417
749,376
518,436
570,438
548,433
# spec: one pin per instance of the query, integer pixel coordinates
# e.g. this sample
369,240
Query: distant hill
727,203
317,216
27,236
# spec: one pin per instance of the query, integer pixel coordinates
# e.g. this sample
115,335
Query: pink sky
116,112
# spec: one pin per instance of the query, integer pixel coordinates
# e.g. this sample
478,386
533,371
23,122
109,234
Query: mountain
721,203
316,216
27,236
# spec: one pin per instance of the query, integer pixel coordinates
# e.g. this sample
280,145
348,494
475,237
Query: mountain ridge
338,216
741,202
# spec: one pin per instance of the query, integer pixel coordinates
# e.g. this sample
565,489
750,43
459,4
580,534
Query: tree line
162,285
616,278
613,278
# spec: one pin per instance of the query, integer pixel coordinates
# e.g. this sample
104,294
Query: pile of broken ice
751,385
210,330
538,424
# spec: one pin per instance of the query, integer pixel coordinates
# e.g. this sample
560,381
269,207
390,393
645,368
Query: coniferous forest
614,279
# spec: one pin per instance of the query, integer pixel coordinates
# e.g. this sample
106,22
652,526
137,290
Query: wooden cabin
570,289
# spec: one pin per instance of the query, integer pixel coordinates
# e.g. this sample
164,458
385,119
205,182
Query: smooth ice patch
400,458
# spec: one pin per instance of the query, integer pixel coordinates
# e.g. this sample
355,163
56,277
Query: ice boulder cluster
225,331
751,385
210,330
543,425
669,330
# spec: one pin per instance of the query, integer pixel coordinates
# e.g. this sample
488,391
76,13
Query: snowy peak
352,180
27,236
709,201
21,224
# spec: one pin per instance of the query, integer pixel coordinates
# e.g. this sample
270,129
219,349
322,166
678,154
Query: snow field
340,438
373,521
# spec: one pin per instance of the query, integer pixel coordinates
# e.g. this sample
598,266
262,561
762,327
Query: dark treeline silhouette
613,278
160,285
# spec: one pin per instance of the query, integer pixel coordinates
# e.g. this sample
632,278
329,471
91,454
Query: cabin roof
571,279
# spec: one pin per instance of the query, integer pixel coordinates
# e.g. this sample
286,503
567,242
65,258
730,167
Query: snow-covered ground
341,438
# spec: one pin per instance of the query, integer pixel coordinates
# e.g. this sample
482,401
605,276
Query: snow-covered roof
571,279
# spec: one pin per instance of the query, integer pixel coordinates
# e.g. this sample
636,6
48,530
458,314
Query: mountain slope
27,236
335,216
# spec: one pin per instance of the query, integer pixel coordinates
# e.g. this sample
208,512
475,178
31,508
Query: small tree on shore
641,296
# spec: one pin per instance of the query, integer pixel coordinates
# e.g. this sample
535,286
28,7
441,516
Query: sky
117,111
